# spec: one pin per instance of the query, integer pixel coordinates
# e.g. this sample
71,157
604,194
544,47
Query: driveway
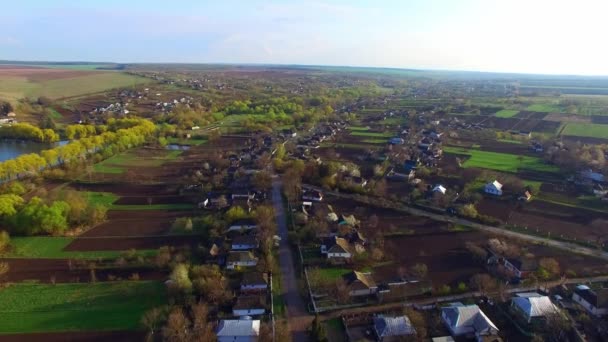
298,318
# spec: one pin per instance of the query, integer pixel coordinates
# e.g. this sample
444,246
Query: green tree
235,213
180,278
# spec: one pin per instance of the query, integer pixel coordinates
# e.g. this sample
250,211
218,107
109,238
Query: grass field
586,130
501,161
28,308
41,247
371,134
506,113
103,198
119,163
543,108
190,142
13,87
358,128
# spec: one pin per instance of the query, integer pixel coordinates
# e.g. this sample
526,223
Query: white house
238,330
240,259
392,328
249,306
596,303
439,189
254,281
467,319
533,306
493,188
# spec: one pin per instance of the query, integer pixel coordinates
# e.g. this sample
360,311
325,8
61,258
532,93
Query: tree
341,291
317,331
468,210
5,240
262,180
180,279
152,321
418,322
235,213
202,330
9,204
483,283
419,270
177,328
4,268
550,264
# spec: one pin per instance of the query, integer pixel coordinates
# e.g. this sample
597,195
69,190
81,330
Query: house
410,165
249,305
525,197
214,201
533,306
238,330
216,247
360,284
392,328
312,195
244,242
520,267
240,259
242,194
242,225
254,281
336,247
494,188
467,320
396,141
590,175
596,303
439,189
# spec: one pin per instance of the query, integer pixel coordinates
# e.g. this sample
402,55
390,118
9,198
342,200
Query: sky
528,36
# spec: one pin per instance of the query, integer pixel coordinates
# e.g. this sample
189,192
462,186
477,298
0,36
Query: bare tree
483,283
177,328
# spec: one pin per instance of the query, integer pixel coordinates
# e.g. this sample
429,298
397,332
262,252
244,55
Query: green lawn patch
371,134
505,162
586,130
358,128
102,198
541,107
506,113
119,163
509,141
188,142
49,247
29,308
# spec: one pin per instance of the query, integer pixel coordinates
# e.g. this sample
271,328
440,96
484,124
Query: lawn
104,198
509,141
29,308
358,128
47,247
506,113
586,130
371,134
540,107
190,142
501,161
119,163
374,141
333,273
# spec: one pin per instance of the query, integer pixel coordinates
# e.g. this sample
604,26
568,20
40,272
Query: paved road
568,246
298,318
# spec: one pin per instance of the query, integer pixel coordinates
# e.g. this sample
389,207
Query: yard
46,247
28,308
506,113
501,161
120,163
586,130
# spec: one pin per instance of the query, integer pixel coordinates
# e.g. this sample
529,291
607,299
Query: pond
10,149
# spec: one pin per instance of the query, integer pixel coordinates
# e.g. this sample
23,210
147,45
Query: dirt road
297,315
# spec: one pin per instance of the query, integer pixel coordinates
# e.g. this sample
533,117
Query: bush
5,240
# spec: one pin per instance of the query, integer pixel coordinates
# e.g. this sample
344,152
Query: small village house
594,302
467,320
240,259
493,188
389,329
360,284
244,242
533,306
254,281
238,330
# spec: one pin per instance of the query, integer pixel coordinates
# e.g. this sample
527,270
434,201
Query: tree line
25,131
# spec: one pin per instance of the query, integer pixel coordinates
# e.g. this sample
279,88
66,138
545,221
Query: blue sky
534,36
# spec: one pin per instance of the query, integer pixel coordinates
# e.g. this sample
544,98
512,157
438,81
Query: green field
13,88
103,198
189,142
501,161
47,247
543,108
29,308
370,134
119,163
506,113
358,128
586,130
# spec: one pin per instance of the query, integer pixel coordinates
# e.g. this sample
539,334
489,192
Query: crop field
47,247
543,108
506,113
28,308
20,82
120,163
501,161
586,130
371,134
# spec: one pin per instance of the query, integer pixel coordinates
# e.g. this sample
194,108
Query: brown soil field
41,74
530,115
127,189
600,119
495,208
554,225
559,117
101,336
501,123
139,200
136,223
546,126
125,243
42,270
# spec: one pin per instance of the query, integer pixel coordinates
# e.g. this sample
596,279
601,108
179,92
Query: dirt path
297,316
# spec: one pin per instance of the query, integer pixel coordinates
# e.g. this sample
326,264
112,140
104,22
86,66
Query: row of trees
25,131
110,143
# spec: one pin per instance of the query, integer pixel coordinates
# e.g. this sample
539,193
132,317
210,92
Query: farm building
532,306
439,189
392,328
596,303
360,284
467,320
238,330
493,188
337,247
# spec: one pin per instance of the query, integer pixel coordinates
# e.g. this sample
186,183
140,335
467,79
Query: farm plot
123,243
501,161
141,158
28,308
506,113
136,223
586,130
531,115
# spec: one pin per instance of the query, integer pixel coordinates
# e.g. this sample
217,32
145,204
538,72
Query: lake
10,149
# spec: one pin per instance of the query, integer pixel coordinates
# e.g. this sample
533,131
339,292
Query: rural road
567,246
297,315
